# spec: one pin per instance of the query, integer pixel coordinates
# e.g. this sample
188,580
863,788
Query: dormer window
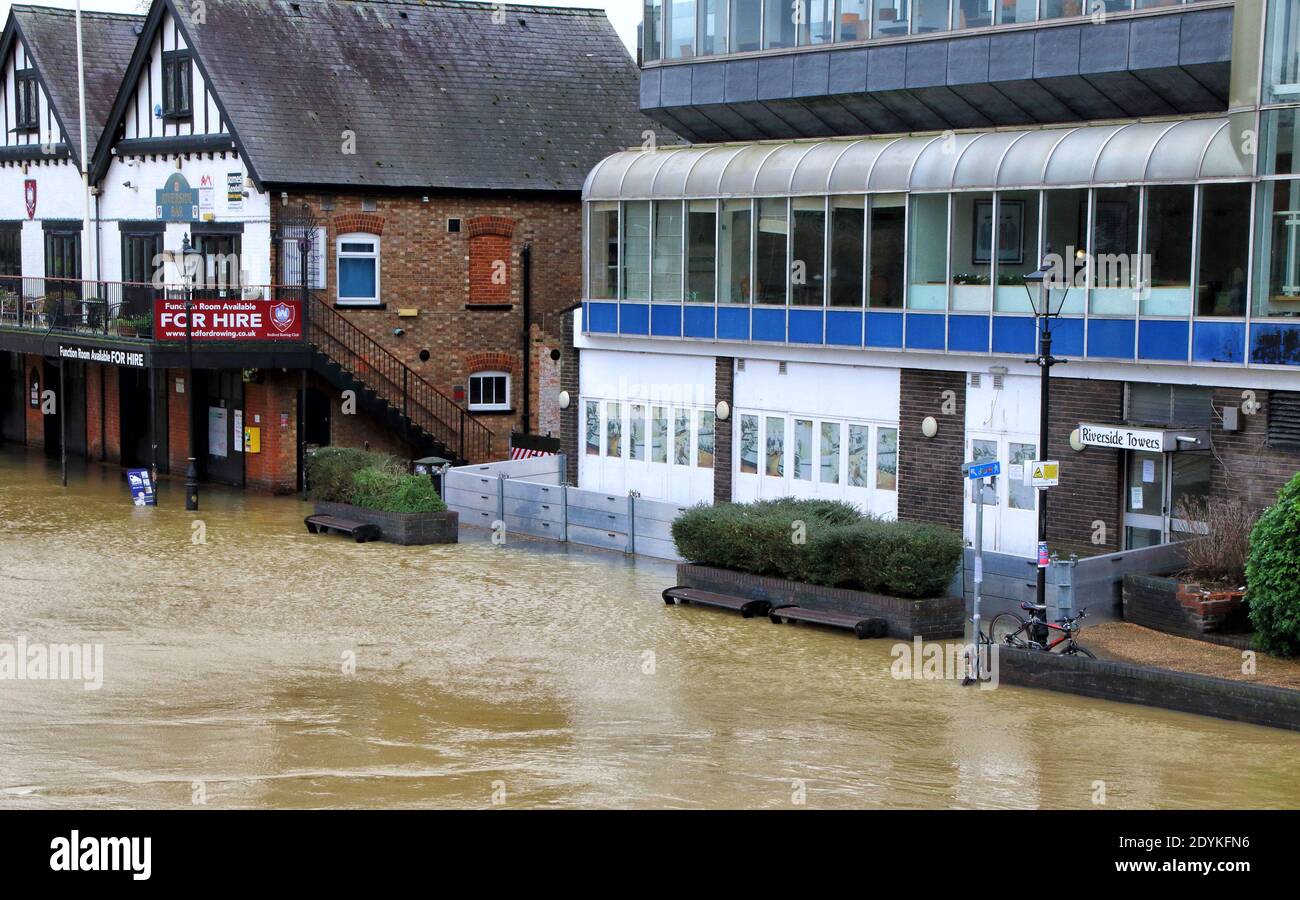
177,81
27,114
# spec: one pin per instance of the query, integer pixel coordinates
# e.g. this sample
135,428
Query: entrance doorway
53,431
313,423
1010,502
1156,485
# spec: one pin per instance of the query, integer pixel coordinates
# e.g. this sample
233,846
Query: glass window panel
704,448
1225,250
1145,482
668,250
927,252
1065,239
357,278
808,246
746,20
712,27
859,453
1021,493
981,452
852,24
658,434
1011,11
1282,53
775,459
602,250
885,269
974,13
830,453
770,270
636,250
1190,474
1278,153
1058,9
929,15
1017,249
749,444
613,429
593,428
680,41
848,245
1114,250
972,251
1169,251
1278,246
887,459
682,438
803,448
779,23
636,431
702,250
650,30
819,18
890,18
733,251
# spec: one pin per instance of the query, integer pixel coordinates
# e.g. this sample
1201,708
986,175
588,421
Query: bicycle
1016,631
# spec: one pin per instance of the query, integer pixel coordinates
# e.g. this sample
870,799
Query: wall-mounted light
564,399
929,426
722,410
1076,441
398,332
284,198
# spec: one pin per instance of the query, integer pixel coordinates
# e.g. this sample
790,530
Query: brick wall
178,422
275,469
35,418
1243,465
929,469
112,414
724,388
445,276
1092,481
94,418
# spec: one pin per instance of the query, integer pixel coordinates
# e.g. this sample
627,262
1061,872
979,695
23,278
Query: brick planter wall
400,528
932,619
1176,607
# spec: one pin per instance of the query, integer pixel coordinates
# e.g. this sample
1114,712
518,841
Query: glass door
1163,496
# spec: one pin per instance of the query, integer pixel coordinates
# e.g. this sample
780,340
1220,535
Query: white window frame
489,407
340,254
315,258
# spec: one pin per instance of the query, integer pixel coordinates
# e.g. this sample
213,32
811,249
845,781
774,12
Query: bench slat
862,627
688,595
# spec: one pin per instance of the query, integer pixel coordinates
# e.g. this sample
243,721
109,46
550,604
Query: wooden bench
863,628
359,531
684,595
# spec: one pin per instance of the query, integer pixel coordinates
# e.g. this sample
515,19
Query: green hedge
391,492
368,479
840,547
1273,574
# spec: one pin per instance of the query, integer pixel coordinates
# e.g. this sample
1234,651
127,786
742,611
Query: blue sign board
983,470
176,201
141,486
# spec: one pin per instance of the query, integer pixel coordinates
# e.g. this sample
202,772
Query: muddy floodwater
524,674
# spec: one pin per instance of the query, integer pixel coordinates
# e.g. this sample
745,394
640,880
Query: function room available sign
229,319
1119,437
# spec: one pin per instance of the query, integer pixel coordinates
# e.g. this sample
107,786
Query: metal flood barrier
529,496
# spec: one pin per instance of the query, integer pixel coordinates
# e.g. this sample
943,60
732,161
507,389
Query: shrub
840,548
1219,556
1273,574
330,471
388,491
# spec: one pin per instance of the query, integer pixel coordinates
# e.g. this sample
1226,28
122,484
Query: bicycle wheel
1008,628
1077,650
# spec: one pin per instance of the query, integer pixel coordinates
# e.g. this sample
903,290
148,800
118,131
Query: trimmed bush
840,546
1273,574
387,491
330,471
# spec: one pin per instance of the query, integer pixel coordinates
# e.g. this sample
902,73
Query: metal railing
403,388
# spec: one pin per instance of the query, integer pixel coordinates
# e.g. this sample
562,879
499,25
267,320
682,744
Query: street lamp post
191,471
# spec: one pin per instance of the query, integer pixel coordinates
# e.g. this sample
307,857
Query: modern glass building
840,257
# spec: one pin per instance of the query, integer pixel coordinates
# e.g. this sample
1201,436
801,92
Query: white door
1010,502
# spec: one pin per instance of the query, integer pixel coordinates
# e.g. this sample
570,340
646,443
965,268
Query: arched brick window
489,258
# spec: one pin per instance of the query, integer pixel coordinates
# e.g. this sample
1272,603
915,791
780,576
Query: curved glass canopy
1137,153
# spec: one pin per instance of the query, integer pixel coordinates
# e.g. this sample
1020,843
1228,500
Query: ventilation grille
740,365
1168,404
974,379
998,381
780,367
1284,421
453,226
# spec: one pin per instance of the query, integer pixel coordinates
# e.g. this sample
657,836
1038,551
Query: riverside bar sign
229,319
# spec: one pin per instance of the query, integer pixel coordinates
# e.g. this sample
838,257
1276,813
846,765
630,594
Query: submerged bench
685,595
863,628
360,531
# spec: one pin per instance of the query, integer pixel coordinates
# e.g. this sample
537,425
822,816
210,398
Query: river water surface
526,675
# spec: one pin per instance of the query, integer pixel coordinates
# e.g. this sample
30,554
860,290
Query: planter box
1179,607
400,528
932,619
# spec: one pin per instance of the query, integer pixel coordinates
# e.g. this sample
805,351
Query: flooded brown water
545,677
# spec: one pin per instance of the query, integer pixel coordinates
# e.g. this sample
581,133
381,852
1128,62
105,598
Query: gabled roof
50,36
438,94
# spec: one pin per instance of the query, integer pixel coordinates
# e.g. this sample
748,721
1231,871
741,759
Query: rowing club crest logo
282,317
29,194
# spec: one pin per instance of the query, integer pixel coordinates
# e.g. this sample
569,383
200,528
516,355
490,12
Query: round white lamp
722,410
1076,442
929,426
564,399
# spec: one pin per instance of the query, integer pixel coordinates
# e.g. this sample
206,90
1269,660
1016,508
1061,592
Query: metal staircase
387,388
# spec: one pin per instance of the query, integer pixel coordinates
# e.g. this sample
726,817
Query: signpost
976,473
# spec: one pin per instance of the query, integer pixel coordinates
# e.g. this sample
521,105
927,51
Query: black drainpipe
526,263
